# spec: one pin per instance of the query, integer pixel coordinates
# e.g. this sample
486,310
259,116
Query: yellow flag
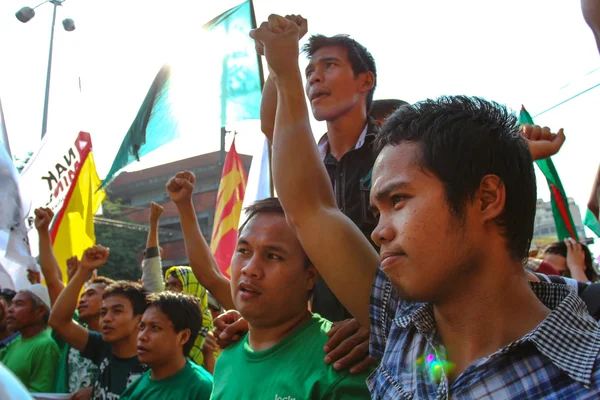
73,229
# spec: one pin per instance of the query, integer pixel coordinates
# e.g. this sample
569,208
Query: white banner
15,256
259,178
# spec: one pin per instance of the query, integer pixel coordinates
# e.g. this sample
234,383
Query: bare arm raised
152,278
346,259
268,102
48,263
61,317
202,262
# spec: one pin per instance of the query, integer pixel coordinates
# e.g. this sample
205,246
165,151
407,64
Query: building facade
137,189
544,231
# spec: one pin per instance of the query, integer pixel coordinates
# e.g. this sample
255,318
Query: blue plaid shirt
557,360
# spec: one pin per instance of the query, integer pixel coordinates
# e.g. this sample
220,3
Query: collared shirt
324,142
350,177
557,360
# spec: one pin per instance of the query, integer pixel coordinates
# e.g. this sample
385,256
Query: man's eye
397,199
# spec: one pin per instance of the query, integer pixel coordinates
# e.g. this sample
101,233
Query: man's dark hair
463,139
382,109
359,57
560,249
8,295
270,205
101,280
183,310
133,291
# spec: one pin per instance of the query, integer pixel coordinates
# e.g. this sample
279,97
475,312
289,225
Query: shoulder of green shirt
198,369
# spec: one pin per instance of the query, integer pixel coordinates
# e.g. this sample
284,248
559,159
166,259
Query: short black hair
8,295
183,310
383,108
101,280
462,139
359,57
560,249
132,290
270,205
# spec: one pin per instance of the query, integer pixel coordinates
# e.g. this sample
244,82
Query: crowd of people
395,263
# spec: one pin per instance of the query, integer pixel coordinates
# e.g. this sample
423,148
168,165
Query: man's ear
491,197
366,81
313,275
184,336
40,311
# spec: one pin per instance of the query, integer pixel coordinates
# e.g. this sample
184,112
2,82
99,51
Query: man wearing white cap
32,357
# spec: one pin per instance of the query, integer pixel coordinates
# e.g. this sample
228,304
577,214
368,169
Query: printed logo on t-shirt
102,391
278,397
133,376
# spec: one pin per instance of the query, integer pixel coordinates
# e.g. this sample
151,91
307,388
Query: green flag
239,92
565,228
241,74
153,126
591,222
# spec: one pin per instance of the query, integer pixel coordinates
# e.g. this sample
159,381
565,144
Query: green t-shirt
192,382
292,369
34,361
115,374
75,372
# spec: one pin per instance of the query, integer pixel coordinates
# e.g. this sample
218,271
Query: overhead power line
567,100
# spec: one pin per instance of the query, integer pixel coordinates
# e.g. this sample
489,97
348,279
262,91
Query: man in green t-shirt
168,330
75,373
33,356
271,283
115,350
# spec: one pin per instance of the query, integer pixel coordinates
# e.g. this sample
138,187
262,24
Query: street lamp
24,15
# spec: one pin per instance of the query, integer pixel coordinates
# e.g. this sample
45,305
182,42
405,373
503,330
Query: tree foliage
126,244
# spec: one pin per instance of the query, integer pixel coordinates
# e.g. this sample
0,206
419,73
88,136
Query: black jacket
351,180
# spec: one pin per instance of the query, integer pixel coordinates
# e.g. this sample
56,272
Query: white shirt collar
324,142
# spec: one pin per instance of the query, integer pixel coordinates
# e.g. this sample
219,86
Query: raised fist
181,187
542,142
155,211
34,276
43,217
279,39
94,258
72,267
300,21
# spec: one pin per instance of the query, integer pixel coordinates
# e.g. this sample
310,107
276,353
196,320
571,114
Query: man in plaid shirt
448,302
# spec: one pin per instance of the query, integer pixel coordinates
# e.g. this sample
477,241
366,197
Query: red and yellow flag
228,210
62,176
73,228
